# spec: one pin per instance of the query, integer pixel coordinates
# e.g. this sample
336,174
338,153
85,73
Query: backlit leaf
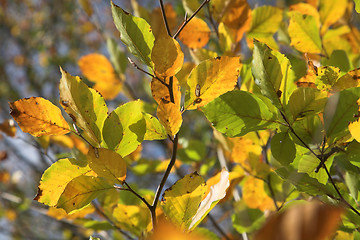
195,34
349,80
306,101
169,116
85,106
117,57
339,111
304,33
216,193
312,220
38,117
306,9
135,33
107,164
357,6
132,218
154,129
272,73
157,22
98,69
330,12
80,191
210,79
160,91
255,196
354,128
238,112
167,56
125,128
327,77
57,176
283,148
181,202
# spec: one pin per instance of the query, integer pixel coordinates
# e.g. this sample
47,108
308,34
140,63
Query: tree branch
164,18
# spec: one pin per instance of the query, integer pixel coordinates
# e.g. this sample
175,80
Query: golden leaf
306,9
169,116
38,117
157,22
160,91
195,34
167,56
255,196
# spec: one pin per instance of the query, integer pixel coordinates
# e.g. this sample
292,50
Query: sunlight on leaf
154,129
38,117
159,91
85,106
181,202
330,12
107,164
210,79
80,191
170,117
195,34
255,196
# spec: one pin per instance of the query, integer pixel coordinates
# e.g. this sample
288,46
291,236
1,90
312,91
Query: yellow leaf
254,195
306,9
97,68
349,80
210,79
157,21
312,220
131,218
160,91
243,147
169,116
59,213
330,12
195,34
79,144
38,117
354,128
107,164
304,33
167,56
62,140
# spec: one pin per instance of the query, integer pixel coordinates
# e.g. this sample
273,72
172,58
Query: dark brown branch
164,18
163,181
140,69
217,226
187,20
136,194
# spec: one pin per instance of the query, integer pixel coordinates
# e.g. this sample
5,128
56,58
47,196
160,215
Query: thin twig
187,20
136,194
164,18
140,69
218,227
101,212
163,180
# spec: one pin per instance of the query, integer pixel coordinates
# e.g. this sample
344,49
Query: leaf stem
136,194
163,181
187,20
164,18
140,69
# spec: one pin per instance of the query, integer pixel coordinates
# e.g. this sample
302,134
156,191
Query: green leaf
107,164
304,33
283,148
154,129
238,112
192,150
339,111
271,71
246,219
339,59
306,101
57,176
85,106
125,128
357,6
310,129
352,182
181,202
135,33
353,153
327,77
307,163
81,191
117,57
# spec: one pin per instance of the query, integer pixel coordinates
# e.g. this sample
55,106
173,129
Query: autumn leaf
210,79
330,12
80,191
255,196
195,34
154,129
85,106
306,9
57,176
107,164
8,127
157,21
167,56
160,90
304,33
181,202
170,117
38,117
97,68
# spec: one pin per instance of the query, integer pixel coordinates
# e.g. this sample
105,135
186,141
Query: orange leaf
157,22
195,34
160,91
38,117
254,195
169,116
316,221
167,56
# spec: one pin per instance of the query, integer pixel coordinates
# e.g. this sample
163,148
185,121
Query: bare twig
140,69
164,18
187,20
218,227
136,194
